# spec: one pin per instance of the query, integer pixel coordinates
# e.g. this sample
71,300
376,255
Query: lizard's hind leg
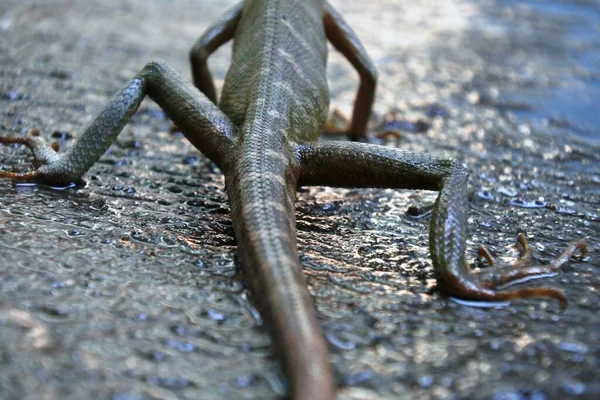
385,167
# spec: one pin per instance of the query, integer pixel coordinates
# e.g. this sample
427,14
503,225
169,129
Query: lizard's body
264,139
272,85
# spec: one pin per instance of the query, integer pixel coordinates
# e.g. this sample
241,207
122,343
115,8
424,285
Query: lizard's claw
20,176
497,275
578,245
521,245
42,152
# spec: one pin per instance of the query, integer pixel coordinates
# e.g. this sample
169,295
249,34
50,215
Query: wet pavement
126,288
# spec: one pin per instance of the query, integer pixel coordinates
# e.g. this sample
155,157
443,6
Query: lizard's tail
262,194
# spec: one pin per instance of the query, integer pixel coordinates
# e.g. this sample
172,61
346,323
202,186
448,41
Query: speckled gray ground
127,289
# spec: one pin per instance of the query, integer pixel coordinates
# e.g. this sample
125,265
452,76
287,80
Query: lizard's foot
486,283
393,127
338,124
497,275
43,153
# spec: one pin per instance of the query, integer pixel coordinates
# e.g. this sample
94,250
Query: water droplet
425,381
573,387
215,315
572,347
339,343
243,381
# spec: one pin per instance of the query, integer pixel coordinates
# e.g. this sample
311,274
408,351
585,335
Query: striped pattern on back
277,76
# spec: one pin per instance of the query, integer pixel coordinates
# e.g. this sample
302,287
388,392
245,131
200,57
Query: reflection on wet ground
553,47
127,287
538,61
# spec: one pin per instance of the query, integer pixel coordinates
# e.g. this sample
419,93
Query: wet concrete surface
127,288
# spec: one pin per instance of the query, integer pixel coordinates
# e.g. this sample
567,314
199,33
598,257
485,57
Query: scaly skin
264,139
274,82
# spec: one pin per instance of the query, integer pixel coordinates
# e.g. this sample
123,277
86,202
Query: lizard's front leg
216,35
343,38
203,124
378,166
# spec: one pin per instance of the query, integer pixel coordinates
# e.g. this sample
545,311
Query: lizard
264,136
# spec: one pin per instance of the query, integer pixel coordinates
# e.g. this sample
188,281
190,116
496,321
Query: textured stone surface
127,288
